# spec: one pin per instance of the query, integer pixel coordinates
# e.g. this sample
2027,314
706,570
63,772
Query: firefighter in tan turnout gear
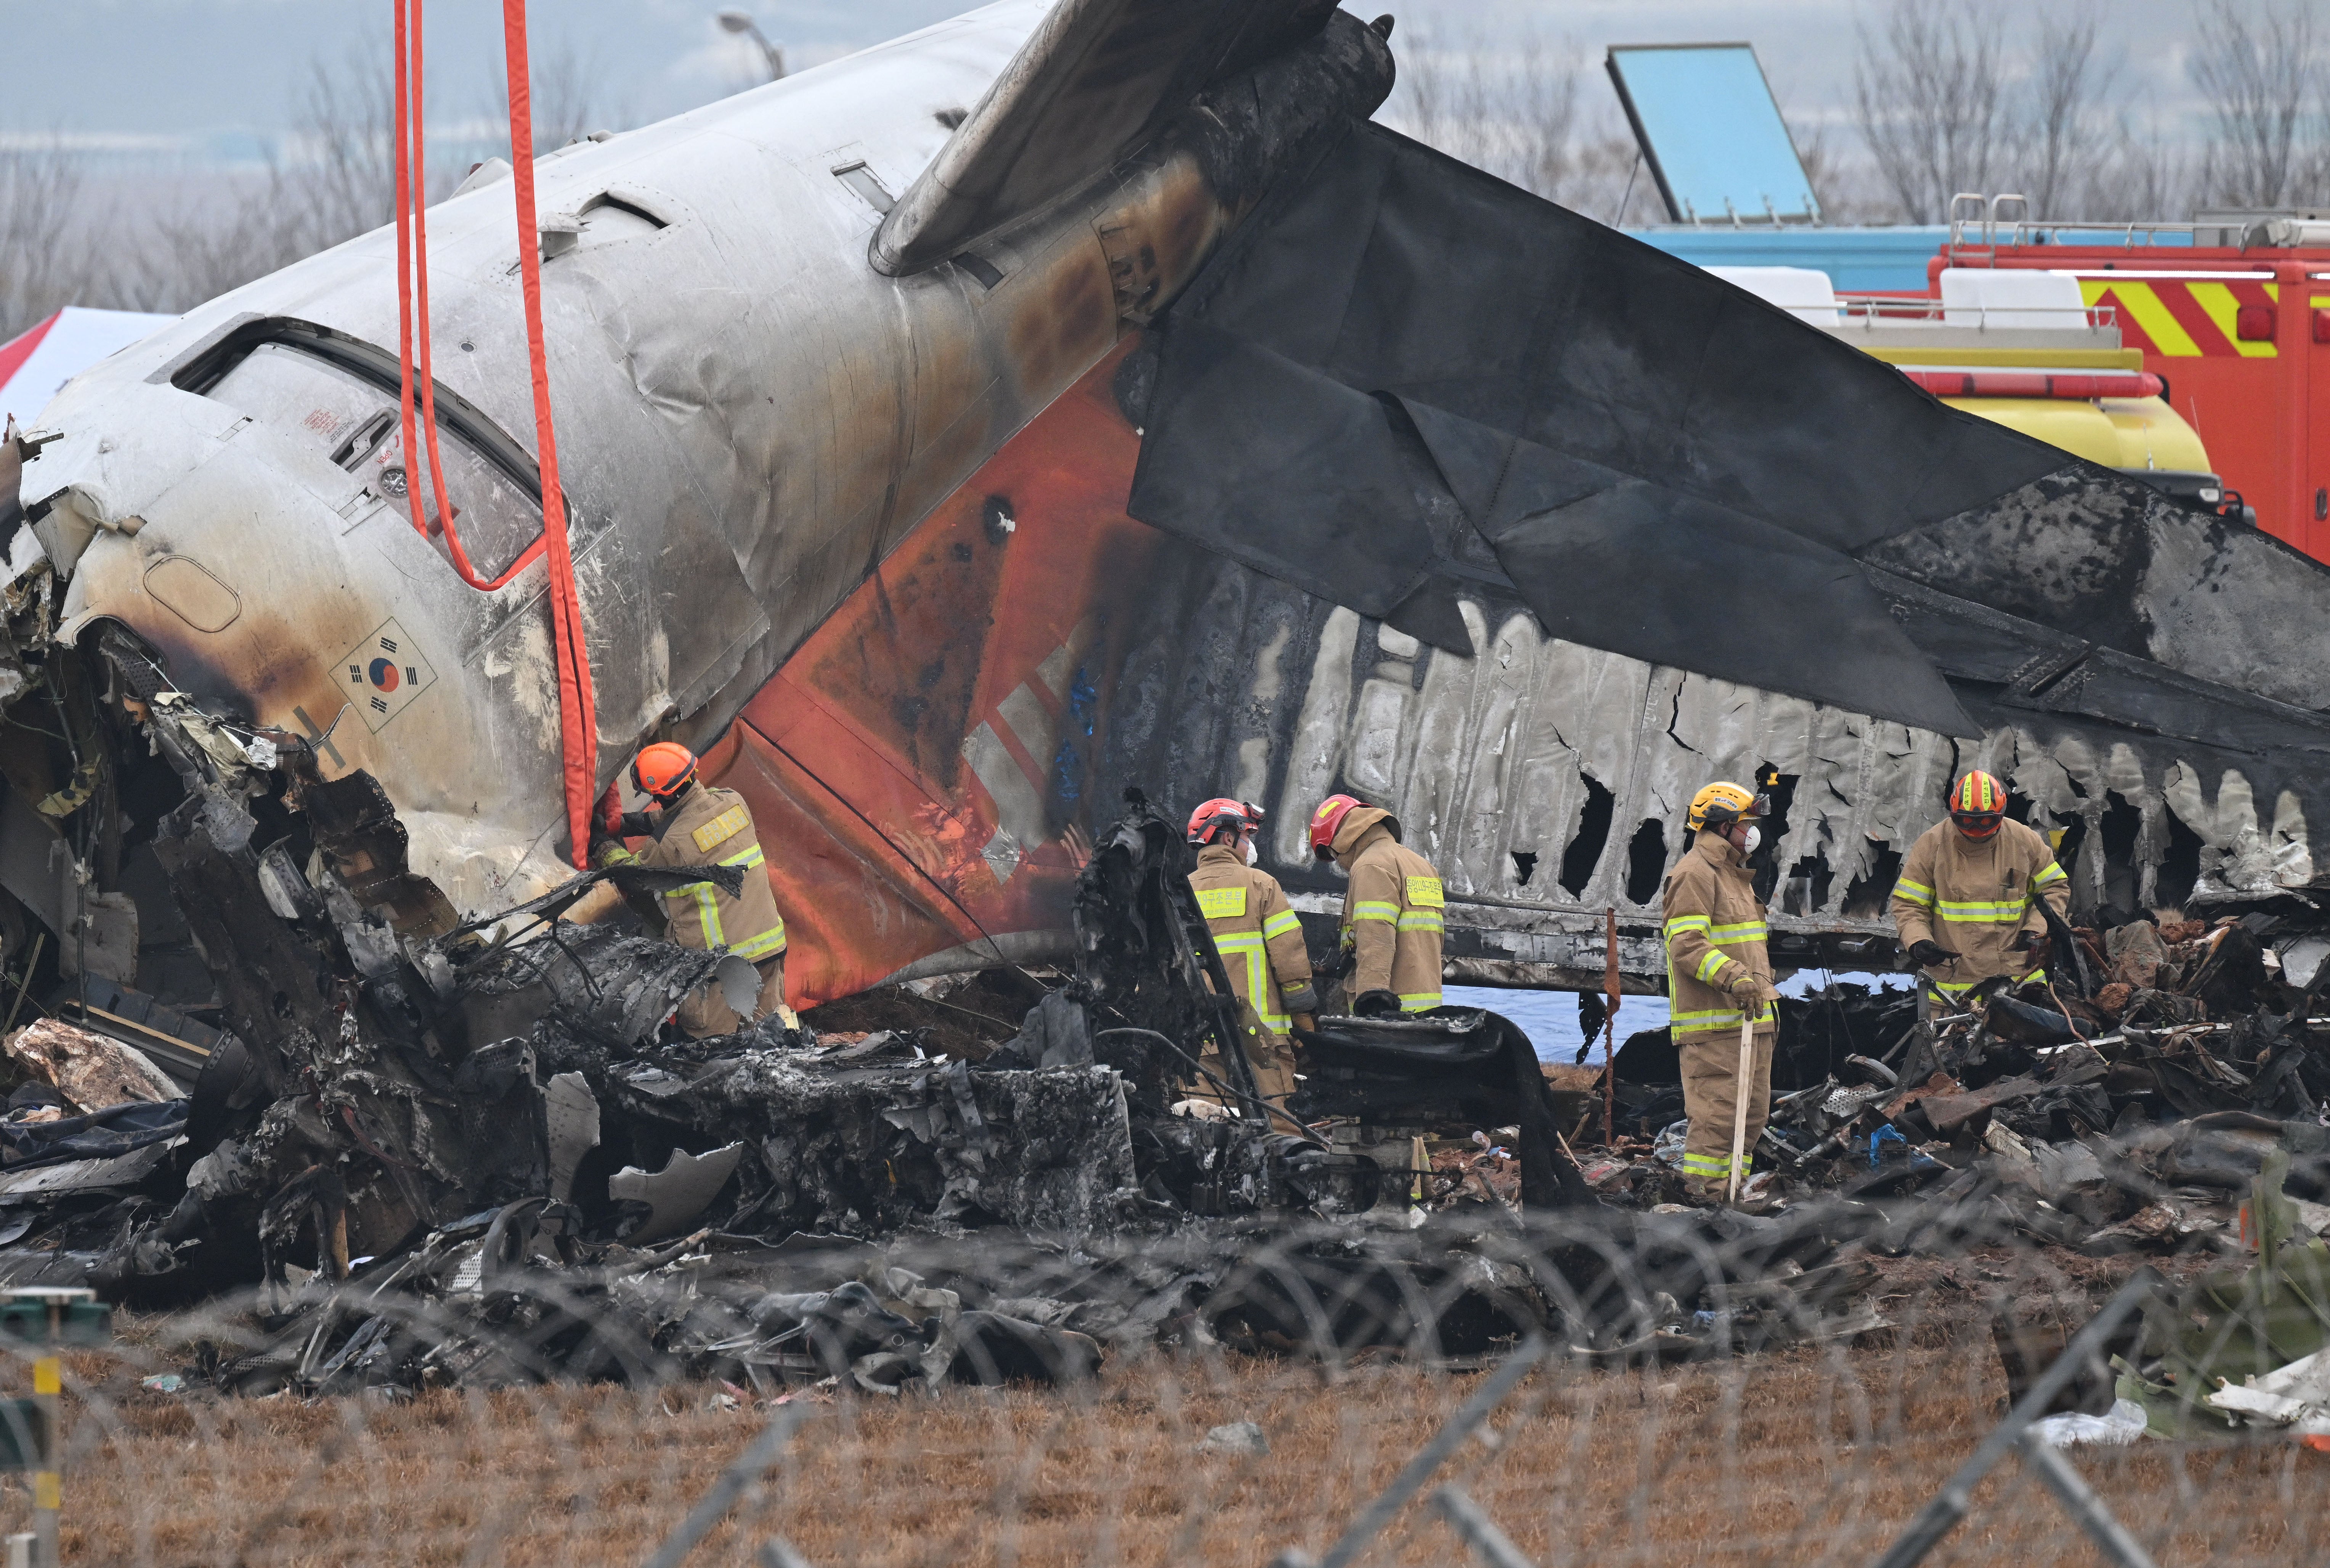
700,824
1261,944
1394,915
1967,904
1719,976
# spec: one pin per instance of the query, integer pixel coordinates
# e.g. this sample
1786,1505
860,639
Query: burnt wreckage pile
2126,1106
444,1152
272,1057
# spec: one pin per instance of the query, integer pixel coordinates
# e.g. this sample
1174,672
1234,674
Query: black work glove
1929,954
2030,942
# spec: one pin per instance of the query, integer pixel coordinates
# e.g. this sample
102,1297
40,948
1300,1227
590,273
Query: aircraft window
355,423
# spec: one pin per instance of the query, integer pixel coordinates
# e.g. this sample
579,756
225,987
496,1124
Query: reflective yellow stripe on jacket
1249,946
1718,1018
1713,964
1984,912
704,895
1956,988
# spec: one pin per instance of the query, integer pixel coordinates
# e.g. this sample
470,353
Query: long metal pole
48,1485
1610,1031
1740,1091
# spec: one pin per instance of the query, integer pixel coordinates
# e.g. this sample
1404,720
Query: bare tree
334,178
1935,103
48,249
2067,133
2255,64
2141,172
1514,108
62,241
342,168
1844,183
1512,112
223,229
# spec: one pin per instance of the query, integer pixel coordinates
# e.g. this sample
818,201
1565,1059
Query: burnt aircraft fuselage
750,414
1277,456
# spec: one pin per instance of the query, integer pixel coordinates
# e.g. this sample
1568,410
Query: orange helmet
664,769
1977,804
1219,812
1327,821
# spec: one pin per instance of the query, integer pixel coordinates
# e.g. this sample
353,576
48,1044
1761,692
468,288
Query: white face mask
1755,837
1252,858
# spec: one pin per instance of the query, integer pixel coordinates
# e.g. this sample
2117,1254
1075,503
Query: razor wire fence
1694,1388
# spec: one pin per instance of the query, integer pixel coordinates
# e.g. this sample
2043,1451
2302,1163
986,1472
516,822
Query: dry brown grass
1796,1457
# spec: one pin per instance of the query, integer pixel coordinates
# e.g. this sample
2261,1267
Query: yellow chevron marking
2144,306
2224,311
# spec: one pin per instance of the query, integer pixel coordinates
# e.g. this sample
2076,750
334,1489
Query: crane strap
578,720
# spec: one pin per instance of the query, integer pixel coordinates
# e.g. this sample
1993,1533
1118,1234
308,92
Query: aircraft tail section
1097,79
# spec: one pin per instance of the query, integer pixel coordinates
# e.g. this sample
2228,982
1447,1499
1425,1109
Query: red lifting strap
577,716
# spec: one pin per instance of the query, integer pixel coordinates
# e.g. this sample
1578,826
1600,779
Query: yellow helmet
1721,804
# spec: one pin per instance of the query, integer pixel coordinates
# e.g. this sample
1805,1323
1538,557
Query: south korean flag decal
383,674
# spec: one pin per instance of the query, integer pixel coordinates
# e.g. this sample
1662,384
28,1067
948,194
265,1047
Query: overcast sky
207,77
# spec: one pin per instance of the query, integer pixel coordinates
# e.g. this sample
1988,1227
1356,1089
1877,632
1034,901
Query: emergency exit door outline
384,674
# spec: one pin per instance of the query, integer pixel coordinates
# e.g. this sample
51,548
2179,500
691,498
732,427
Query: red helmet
1220,812
664,769
1977,804
1327,821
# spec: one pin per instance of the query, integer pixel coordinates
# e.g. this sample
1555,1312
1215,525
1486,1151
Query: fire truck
2229,313
2186,355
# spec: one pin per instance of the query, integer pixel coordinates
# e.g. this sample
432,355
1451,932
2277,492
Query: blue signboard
1711,134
